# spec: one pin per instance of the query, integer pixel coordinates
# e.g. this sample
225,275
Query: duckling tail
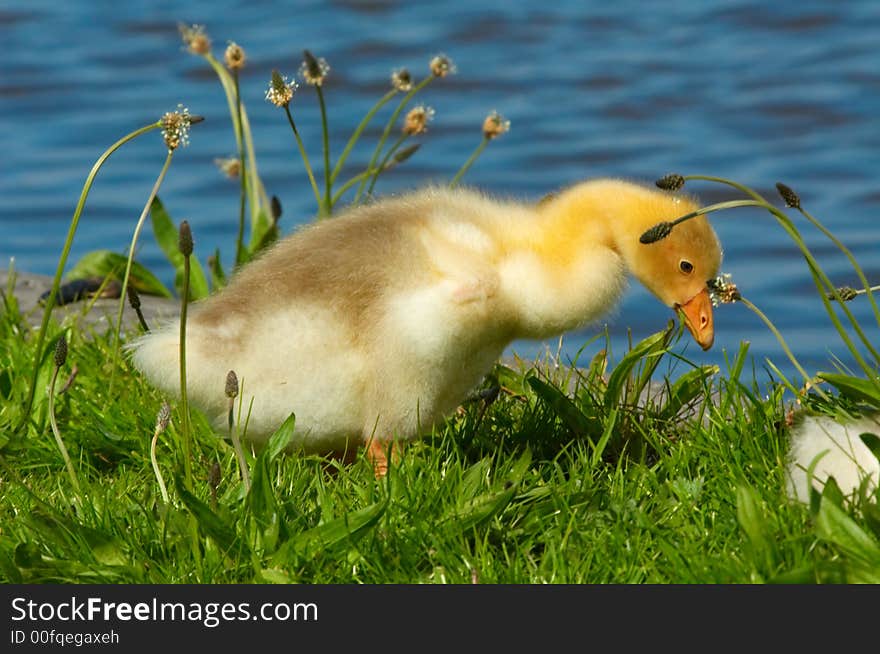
157,356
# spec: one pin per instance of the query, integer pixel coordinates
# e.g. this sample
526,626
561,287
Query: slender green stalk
825,286
161,423
305,157
721,206
131,249
348,184
721,180
255,188
357,132
62,261
186,250
785,348
325,207
60,355
867,288
239,451
239,242
155,463
387,131
10,286
381,167
821,280
257,197
467,164
229,88
748,191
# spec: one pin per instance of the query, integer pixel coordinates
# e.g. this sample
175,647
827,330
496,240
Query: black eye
686,266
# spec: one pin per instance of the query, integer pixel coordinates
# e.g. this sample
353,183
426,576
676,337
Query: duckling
837,451
375,324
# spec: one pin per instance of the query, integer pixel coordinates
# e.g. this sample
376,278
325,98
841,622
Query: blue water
755,91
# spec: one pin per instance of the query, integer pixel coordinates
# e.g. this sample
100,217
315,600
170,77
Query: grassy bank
529,488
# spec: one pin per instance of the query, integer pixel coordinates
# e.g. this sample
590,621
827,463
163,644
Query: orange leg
377,454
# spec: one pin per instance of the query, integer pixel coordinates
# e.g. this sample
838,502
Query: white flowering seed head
234,57
416,121
175,127
313,70
723,291
402,80
281,90
229,166
441,66
195,40
495,125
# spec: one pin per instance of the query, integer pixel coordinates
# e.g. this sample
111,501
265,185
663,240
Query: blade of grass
131,249
357,132
387,131
470,162
62,261
305,157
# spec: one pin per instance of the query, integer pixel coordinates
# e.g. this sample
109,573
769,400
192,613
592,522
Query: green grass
520,490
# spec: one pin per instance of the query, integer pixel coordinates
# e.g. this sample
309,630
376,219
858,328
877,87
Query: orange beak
698,318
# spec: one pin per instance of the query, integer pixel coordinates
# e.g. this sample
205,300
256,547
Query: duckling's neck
567,270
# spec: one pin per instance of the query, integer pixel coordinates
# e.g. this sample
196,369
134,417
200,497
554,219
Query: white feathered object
842,454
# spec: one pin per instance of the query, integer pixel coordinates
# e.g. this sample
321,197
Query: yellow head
677,268
615,214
